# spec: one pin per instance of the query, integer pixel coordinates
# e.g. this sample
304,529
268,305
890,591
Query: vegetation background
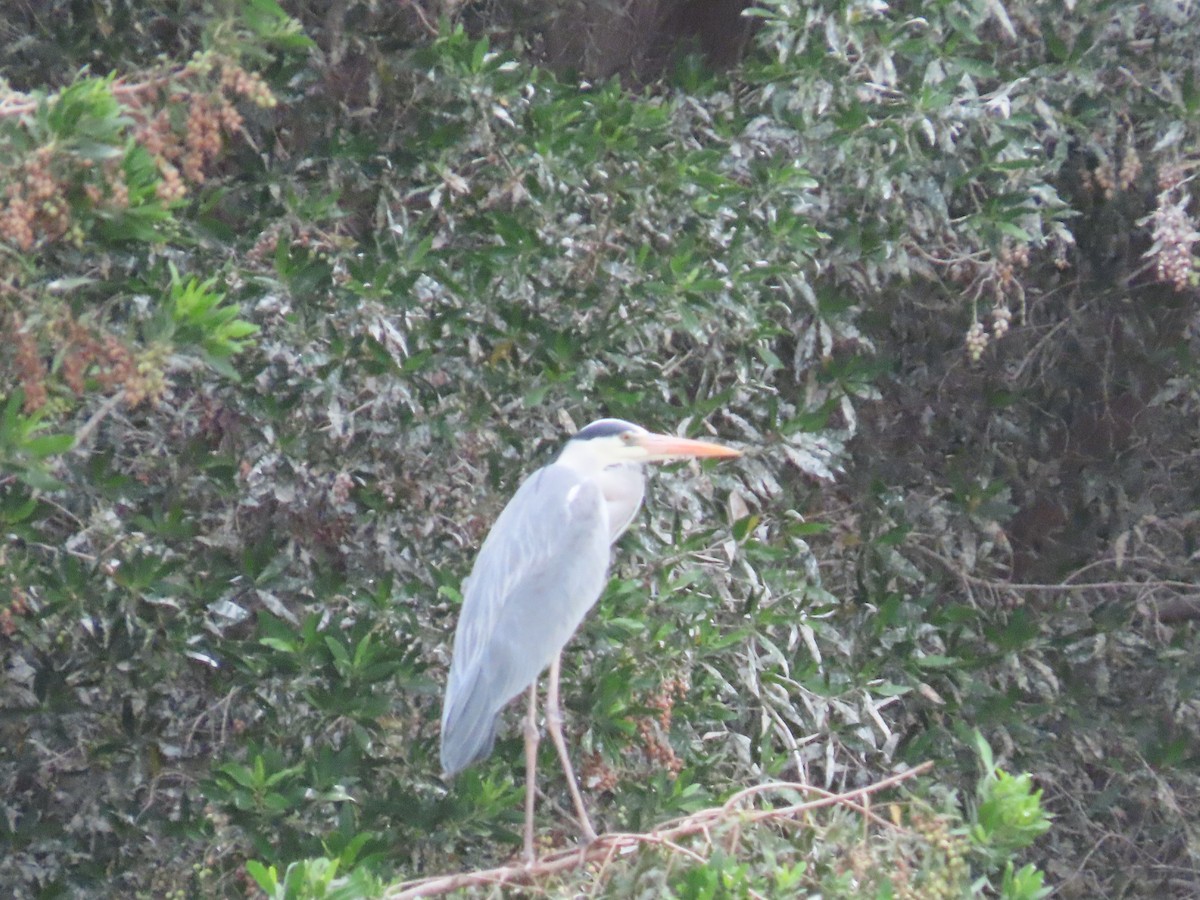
292,295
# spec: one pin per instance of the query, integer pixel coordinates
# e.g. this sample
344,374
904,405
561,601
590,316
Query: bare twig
97,417
608,846
429,27
1056,588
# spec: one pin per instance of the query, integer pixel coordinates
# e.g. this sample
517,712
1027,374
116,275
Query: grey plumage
521,605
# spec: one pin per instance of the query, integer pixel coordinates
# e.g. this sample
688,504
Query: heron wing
541,568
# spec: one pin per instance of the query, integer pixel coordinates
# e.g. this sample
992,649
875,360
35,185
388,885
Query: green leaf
266,877
49,444
242,775
1014,231
341,656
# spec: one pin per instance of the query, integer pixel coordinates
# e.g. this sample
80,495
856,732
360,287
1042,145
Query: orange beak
663,447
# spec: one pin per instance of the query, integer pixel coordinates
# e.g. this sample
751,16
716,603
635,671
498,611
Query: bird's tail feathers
469,724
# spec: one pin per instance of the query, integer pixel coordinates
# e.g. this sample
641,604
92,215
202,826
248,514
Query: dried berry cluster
320,244
114,192
18,606
946,870
34,205
976,341
598,776
1170,177
240,83
84,354
1174,234
185,155
265,246
1106,179
1005,283
1001,320
339,491
1101,179
654,731
31,371
1131,168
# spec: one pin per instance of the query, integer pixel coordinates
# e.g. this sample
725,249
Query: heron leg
531,744
554,726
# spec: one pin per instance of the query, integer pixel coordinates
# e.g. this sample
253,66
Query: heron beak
663,447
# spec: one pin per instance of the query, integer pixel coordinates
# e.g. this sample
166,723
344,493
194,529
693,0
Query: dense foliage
291,303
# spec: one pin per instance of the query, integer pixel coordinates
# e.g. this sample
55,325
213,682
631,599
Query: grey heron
542,566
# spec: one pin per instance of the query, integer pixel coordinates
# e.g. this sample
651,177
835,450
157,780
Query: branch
1059,587
612,844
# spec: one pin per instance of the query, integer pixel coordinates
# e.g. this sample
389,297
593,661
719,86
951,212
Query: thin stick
429,27
97,417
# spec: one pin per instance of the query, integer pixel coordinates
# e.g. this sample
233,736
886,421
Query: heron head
615,441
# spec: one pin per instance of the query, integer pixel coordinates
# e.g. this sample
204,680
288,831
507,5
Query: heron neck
623,486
